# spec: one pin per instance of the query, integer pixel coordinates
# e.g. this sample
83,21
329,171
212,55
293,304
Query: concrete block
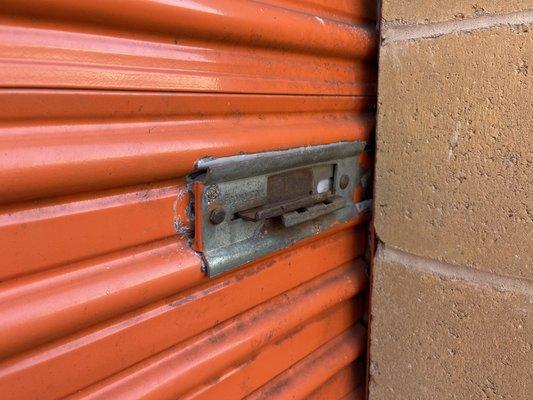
454,149
426,11
438,332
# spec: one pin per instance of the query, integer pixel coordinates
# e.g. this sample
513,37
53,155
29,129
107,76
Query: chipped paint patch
320,20
181,222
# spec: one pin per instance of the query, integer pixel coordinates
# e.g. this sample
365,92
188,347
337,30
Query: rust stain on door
106,107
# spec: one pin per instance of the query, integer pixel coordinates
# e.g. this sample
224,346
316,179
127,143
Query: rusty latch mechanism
247,206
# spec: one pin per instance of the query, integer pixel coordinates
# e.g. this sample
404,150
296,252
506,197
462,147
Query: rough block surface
454,148
439,337
424,11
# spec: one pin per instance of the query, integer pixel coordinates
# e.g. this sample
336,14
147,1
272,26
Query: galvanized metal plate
247,206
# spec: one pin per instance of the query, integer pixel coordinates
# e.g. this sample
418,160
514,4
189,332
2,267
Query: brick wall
452,297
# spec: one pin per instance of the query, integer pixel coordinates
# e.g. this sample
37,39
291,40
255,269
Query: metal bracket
247,206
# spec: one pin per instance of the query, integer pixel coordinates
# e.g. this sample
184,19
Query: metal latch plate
247,206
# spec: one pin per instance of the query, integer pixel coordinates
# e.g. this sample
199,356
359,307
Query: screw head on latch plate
344,181
217,215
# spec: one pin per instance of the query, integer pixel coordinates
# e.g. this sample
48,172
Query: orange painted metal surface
343,383
106,106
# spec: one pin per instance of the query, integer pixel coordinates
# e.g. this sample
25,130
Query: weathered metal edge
220,261
247,165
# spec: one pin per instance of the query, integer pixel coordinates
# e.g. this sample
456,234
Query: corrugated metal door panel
276,357
342,384
109,140
301,379
106,107
229,46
